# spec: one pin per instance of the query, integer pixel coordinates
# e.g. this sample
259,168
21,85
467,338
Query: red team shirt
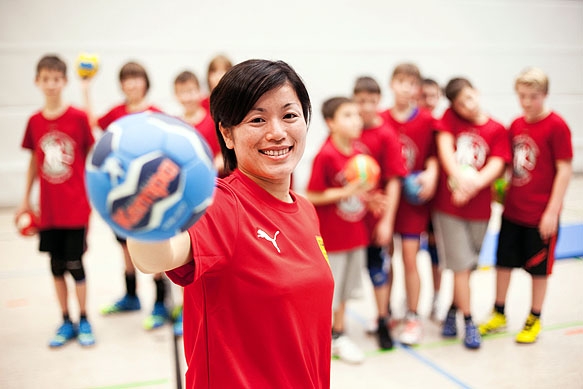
117,112
206,128
417,145
61,146
474,144
383,145
341,223
258,293
536,149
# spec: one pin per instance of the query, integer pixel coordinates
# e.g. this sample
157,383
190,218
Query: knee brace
378,264
58,266
75,268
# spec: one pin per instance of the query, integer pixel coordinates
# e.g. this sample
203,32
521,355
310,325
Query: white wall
329,42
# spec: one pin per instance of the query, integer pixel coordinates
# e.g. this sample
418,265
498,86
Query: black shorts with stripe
521,246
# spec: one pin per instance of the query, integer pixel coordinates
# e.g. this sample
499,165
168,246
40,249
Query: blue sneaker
178,328
157,318
472,339
449,329
85,337
126,304
65,333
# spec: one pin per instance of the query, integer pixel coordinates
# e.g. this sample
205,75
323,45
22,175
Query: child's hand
428,182
358,187
548,225
376,202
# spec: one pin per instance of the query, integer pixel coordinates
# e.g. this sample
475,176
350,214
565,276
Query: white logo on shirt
263,234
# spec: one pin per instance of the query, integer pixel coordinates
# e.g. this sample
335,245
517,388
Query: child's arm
87,106
334,195
383,231
549,222
493,169
31,175
157,257
428,179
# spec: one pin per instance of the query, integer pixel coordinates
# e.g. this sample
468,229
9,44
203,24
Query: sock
499,308
336,334
66,317
535,314
468,319
160,290
83,316
453,308
131,284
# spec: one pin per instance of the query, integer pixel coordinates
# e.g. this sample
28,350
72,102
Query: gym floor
126,356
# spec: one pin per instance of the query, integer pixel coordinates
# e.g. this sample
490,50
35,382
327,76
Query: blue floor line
361,320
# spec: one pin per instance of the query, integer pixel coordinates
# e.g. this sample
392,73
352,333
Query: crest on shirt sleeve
322,248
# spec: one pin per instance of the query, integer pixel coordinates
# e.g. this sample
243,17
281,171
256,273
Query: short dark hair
455,86
242,86
51,62
330,106
134,70
430,82
407,69
366,84
185,77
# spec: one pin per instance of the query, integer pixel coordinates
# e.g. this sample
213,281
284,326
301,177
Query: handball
499,187
87,65
411,188
27,224
150,176
362,168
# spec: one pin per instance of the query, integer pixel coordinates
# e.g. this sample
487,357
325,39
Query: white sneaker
436,310
347,350
413,332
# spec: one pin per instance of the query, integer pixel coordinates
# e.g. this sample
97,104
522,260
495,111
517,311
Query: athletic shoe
157,318
346,350
177,315
65,333
384,335
530,331
126,304
472,338
85,337
496,323
449,329
412,333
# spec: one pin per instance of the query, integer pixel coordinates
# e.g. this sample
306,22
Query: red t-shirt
536,148
474,144
382,143
61,146
119,112
258,293
206,104
206,128
418,144
342,223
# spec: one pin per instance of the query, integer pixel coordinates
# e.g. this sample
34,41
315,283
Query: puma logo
264,235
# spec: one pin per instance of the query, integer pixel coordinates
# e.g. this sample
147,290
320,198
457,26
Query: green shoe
125,304
157,318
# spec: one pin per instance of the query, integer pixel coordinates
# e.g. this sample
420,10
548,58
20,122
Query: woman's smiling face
271,138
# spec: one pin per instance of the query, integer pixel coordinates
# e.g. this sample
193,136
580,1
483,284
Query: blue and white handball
411,188
150,176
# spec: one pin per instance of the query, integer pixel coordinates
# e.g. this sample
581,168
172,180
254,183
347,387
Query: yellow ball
87,65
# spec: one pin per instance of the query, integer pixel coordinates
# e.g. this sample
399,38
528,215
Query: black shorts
64,243
522,247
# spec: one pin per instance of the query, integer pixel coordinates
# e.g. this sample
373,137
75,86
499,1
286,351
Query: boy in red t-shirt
188,94
135,83
59,137
414,127
381,143
542,168
473,150
341,210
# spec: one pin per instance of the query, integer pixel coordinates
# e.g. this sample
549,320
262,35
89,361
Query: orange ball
363,168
